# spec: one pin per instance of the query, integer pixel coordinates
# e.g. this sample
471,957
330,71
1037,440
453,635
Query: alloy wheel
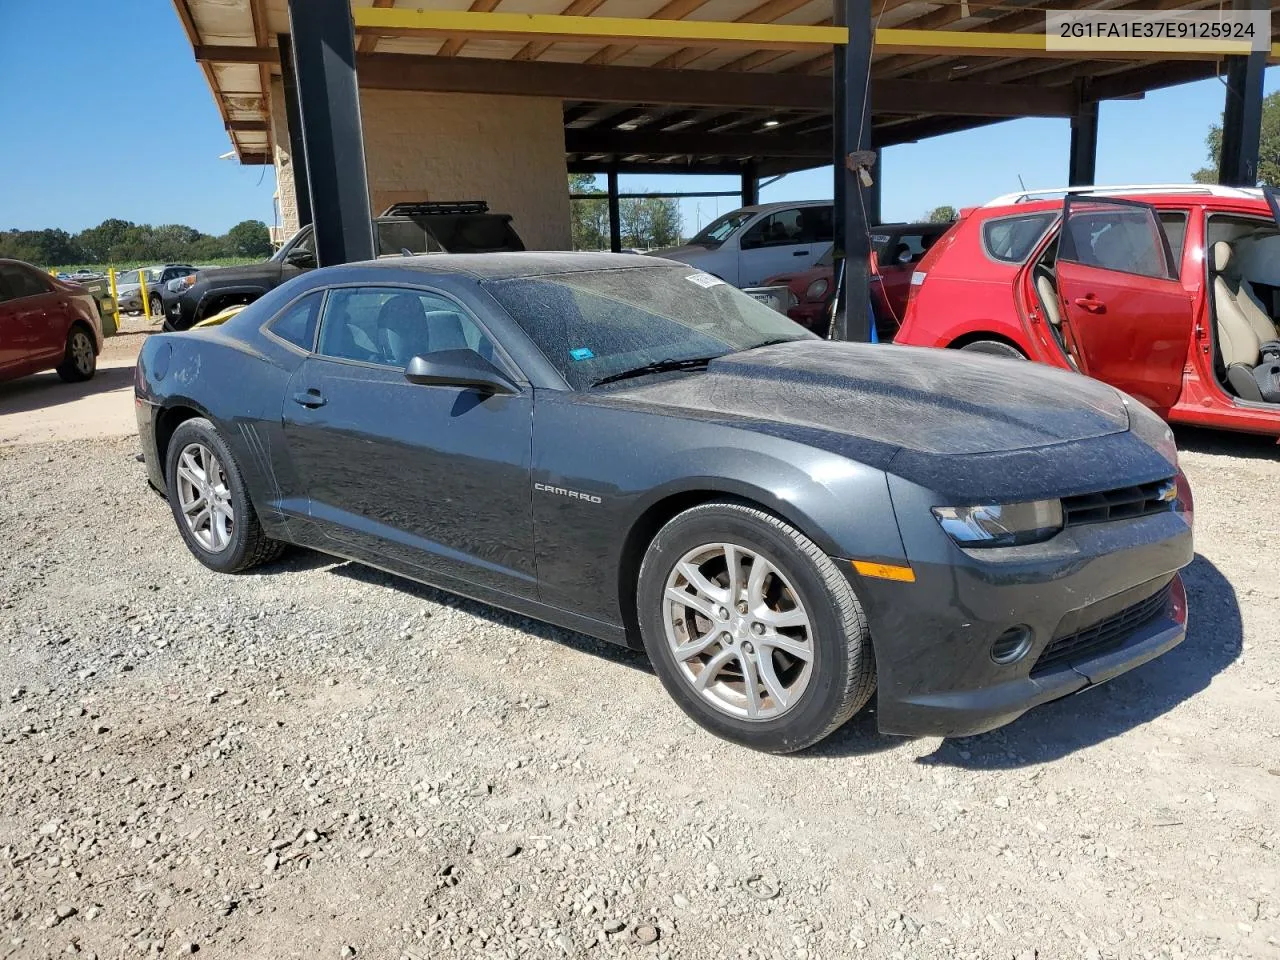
82,353
738,630
205,498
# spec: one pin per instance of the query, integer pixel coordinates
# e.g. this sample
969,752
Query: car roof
509,266
782,205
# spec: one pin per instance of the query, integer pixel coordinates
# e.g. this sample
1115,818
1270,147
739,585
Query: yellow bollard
115,296
142,289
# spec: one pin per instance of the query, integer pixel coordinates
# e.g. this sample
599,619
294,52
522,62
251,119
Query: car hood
124,289
889,398
686,253
268,269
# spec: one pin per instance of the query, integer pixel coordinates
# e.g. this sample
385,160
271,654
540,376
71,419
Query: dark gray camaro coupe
635,450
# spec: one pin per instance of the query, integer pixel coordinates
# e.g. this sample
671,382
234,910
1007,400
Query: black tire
157,306
80,359
248,546
843,675
995,348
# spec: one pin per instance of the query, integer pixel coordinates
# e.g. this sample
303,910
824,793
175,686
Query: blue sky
136,134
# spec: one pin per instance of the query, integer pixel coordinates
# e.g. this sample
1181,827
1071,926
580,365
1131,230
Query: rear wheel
80,361
996,348
752,629
210,502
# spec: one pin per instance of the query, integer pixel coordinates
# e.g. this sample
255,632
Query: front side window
1012,239
390,326
596,324
786,227
297,324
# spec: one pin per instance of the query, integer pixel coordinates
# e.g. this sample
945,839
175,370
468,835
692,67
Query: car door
430,479
785,241
33,334
1126,318
10,334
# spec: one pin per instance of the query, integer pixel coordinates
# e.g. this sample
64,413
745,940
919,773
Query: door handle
1091,303
311,399
799,253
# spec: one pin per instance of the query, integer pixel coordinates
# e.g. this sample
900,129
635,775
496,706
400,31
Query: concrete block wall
508,151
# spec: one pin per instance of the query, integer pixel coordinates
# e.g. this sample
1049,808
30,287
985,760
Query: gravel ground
323,761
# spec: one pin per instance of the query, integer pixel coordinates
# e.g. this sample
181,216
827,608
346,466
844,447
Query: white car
751,244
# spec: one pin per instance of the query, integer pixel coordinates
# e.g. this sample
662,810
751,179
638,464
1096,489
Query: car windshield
596,324
129,276
720,229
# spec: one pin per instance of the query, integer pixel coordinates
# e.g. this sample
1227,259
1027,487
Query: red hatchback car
46,323
1168,293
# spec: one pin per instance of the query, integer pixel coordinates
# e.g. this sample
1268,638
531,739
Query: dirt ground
319,760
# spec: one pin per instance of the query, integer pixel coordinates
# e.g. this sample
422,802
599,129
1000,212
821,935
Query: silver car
752,244
129,289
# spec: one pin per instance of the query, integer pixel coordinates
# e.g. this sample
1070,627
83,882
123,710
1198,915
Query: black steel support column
1242,114
293,117
750,184
1083,164
851,80
615,212
324,54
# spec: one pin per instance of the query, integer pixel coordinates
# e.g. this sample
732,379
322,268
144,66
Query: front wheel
995,348
210,502
752,629
80,361
157,307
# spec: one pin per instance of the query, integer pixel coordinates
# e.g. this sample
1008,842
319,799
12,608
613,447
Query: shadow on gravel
43,390
545,631
1226,443
1052,731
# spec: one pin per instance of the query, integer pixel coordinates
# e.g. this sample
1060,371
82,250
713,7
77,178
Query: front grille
1123,503
1105,634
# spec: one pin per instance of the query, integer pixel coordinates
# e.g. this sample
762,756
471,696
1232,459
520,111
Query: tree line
122,241
646,222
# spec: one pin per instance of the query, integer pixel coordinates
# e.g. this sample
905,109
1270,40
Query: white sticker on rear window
704,280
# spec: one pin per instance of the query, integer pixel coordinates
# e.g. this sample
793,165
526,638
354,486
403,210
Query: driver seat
1245,333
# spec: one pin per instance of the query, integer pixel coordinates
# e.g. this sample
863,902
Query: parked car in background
784,525
751,244
895,249
403,228
129,287
46,323
1169,293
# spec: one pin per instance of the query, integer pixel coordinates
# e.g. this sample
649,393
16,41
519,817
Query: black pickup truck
404,228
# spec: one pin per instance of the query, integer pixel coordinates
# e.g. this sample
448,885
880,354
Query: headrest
1221,256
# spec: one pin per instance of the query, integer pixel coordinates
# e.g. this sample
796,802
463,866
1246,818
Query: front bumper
1108,596
180,311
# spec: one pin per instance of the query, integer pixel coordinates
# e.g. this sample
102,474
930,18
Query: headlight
179,284
1001,524
792,300
817,290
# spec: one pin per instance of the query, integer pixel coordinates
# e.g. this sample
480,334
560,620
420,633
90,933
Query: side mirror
301,258
458,368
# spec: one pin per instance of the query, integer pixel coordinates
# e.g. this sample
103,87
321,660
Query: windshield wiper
658,366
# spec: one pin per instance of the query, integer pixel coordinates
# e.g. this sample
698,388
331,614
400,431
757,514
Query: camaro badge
561,491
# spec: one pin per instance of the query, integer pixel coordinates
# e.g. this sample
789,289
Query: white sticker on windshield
704,280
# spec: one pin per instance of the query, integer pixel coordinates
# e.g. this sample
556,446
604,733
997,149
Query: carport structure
409,100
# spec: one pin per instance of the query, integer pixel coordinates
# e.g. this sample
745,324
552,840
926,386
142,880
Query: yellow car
222,317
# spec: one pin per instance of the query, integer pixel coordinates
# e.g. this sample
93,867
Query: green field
135,264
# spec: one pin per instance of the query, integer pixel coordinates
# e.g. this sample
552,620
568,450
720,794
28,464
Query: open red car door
1126,318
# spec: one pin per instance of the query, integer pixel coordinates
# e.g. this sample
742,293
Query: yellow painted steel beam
394,21
982,43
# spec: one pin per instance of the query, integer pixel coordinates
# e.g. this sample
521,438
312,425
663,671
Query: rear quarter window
1011,239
